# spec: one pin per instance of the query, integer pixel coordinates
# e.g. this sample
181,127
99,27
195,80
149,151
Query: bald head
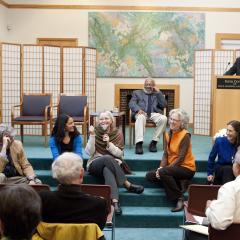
149,85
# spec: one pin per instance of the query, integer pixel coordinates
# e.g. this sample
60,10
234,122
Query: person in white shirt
225,210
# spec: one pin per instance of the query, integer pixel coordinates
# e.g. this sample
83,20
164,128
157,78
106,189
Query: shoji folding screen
208,63
45,69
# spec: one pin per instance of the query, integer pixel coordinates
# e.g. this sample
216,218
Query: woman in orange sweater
178,163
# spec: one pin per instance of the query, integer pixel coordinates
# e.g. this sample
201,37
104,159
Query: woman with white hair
105,148
178,163
14,166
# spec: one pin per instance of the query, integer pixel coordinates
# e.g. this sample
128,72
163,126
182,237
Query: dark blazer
139,101
70,205
235,69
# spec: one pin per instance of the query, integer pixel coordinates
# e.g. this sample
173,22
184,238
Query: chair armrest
130,116
85,113
46,112
13,110
165,111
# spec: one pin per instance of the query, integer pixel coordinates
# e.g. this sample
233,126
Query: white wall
3,23
29,24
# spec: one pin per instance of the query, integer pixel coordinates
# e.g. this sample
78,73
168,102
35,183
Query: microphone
226,67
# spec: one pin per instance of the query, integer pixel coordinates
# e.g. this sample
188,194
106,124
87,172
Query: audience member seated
20,212
65,137
224,211
178,163
14,166
105,148
69,204
224,148
148,104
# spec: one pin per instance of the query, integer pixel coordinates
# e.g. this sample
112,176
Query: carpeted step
146,233
136,177
150,197
144,217
134,163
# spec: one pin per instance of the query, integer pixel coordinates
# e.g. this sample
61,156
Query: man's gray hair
7,130
183,117
66,167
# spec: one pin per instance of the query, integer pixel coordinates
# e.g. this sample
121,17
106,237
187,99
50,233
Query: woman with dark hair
20,212
65,137
105,148
225,148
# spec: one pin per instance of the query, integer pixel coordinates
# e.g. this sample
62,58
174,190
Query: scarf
115,137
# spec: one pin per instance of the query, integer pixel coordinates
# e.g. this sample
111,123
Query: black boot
135,188
117,208
153,146
179,205
139,148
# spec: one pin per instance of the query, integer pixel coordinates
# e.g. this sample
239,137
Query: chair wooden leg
45,134
84,131
163,140
130,136
21,132
134,135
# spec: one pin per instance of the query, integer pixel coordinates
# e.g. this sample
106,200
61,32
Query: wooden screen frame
60,42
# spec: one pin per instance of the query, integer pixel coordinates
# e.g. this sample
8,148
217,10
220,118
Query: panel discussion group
21,208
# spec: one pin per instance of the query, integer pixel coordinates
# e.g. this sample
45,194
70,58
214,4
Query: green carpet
145,216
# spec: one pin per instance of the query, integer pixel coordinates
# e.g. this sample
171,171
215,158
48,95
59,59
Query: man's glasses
174,120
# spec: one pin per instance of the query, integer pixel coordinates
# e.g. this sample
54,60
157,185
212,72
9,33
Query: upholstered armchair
35,109
76,107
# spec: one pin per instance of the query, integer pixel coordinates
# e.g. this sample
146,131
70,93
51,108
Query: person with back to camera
235,69
65,137
178,163
225,210
148,104
68,204
14,165
105,148
20,212
224,148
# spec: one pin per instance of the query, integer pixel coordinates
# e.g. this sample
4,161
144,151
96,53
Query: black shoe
179,205
136,188
139,148
153,146
117,208
109,224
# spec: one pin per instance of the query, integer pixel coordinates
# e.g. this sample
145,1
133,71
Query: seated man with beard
148,104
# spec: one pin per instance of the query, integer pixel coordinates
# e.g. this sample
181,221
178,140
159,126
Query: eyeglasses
174,120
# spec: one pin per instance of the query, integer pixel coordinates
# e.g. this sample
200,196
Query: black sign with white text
228,83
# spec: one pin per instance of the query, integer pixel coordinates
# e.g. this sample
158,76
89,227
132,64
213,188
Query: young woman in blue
65,137
225,149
